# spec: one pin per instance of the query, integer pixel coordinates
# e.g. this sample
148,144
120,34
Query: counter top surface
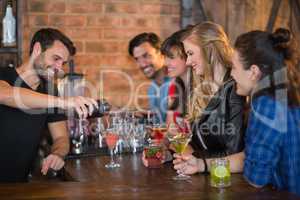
87,178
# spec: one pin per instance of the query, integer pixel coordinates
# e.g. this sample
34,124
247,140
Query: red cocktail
111,141
154,153
158,133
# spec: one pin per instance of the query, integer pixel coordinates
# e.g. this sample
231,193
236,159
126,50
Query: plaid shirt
272,145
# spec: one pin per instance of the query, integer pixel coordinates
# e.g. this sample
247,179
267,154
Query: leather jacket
219,131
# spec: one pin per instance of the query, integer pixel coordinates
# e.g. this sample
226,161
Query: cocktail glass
111,140
180,141
158,132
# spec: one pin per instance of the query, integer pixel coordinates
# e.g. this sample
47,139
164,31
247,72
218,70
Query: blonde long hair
216,50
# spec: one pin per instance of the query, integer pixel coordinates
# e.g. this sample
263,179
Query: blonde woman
214,110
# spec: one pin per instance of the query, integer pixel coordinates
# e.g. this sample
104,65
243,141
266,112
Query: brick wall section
101,30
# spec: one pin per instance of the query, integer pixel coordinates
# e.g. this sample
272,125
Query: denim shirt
158,99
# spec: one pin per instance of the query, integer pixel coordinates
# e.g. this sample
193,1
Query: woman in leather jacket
214,110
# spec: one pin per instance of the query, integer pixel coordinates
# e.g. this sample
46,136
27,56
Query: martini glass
180,141
111,141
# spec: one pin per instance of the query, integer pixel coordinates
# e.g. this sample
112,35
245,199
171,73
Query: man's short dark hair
152,38
46,38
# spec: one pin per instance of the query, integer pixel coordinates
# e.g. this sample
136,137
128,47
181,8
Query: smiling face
49,63
148,59
176,64
194,57
245,79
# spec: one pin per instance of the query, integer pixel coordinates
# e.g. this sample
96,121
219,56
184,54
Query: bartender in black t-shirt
27,105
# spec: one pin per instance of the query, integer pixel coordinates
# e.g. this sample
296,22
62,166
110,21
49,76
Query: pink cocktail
111,141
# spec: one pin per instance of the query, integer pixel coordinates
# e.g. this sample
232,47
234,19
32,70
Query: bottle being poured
9,27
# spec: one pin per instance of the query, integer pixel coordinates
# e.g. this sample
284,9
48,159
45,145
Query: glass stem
112,156
180,173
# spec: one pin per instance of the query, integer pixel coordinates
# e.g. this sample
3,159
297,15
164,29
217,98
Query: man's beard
48,73
149,71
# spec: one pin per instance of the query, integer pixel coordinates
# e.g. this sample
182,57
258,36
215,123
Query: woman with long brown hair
266,68
175,60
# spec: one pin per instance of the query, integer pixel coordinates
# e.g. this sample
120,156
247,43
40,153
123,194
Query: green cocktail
220,173
180,141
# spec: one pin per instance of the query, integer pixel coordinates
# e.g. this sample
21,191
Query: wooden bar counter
87,178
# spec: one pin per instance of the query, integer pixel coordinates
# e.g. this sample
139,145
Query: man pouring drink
27,104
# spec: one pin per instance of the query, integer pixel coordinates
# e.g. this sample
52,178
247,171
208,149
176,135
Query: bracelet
168,156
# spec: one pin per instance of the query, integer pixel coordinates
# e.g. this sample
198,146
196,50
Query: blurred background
101,30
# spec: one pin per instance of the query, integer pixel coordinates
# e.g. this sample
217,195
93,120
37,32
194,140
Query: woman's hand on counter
188,164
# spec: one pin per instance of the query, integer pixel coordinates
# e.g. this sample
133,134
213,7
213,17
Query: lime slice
221,172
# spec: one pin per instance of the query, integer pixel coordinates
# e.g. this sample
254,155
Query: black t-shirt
20,131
